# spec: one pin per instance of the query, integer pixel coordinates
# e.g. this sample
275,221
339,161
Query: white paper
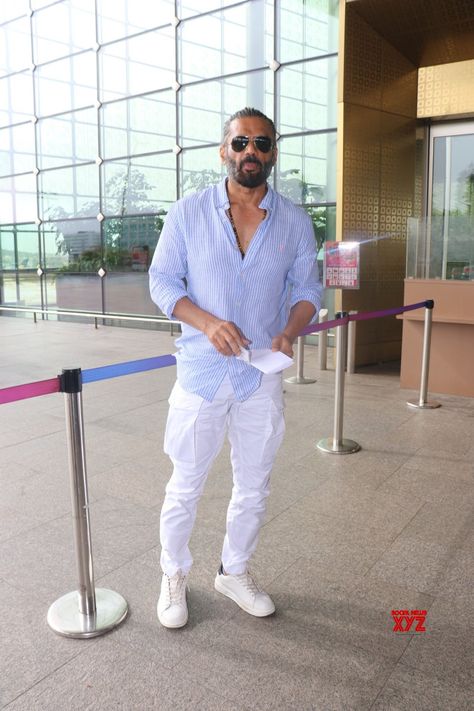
266,360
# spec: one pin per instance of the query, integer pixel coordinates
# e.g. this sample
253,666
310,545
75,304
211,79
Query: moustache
252,161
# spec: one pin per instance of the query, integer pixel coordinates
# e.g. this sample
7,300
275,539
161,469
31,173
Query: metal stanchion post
351,344
299,377
89,611
336,444
422,403
323,341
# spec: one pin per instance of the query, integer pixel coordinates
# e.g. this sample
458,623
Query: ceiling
426,32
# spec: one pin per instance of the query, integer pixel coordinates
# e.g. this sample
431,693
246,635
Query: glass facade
110,110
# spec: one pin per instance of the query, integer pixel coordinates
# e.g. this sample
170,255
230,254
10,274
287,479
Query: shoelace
176,589
247,580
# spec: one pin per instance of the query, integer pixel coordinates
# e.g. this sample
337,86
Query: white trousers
195,432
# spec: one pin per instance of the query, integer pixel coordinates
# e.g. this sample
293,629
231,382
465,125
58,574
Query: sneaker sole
172,627
230,594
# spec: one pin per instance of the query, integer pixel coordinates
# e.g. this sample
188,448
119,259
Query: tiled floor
347,539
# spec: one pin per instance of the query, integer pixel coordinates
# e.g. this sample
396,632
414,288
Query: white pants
194,435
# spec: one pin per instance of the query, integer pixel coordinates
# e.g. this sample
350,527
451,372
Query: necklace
234,228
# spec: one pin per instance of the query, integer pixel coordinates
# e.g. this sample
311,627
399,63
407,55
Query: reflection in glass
308,95
17,149
137,65
451,247
54,254
69,192
233,40
205,107
78,246
19,246
308,29
144,124
69,138
120,18
199,169
16,98
62,29
15,46
140,185
18,199
66,84
306,168
129,242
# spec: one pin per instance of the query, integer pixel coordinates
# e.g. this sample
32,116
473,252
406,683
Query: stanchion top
70,380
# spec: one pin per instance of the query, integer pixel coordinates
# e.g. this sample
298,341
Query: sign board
341,265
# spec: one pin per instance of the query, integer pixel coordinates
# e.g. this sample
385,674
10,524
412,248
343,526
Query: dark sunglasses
261,143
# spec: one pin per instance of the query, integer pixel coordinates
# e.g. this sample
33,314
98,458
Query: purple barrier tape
22,392
386,312
315,327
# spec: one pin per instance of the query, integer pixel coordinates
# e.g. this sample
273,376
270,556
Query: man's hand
283,343
226,337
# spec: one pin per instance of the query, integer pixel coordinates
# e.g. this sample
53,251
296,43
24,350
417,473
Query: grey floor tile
446,649
414,690
110,678
270,665
422,566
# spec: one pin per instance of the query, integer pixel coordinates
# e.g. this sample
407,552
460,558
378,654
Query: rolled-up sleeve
303,276
169,265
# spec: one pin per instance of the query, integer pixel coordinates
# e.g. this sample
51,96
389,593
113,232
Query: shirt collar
223,199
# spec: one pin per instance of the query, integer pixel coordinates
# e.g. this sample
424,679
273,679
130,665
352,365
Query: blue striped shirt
279,269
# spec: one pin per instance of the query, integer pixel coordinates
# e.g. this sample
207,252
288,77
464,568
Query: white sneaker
243,590
172,608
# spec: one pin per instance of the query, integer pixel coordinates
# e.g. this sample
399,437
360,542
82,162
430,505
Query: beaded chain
229,212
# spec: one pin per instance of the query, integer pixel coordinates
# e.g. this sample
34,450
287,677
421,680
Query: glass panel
53,253
66,84
66,139
200,168
8,255
205,107
81,292
18,199
15,46
131,241
452,208
324,225
129,246
307,168
308,96
139,186
77,245
144,124
17,149
307,29
16,98
233,40
9,10
69,192
63,29
137,65
187,8
21,290
120,18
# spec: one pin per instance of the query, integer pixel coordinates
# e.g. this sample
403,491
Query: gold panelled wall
446,90
377,186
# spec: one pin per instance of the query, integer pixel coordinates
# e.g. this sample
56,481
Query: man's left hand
283,343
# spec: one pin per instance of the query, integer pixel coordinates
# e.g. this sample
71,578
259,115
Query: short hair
247,112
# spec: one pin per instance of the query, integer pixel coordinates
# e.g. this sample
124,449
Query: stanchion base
346,446
423,406
299,381
65,619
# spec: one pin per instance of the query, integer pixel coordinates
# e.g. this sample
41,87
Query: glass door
450,218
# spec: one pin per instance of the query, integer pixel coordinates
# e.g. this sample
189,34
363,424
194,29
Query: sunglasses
261,143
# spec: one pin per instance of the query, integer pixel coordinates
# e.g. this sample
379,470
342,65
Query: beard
249,180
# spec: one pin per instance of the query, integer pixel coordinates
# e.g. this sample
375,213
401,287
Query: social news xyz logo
409,620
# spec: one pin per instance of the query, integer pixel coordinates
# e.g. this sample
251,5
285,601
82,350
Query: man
236,264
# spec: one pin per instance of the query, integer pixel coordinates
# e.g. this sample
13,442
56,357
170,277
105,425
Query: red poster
341,265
